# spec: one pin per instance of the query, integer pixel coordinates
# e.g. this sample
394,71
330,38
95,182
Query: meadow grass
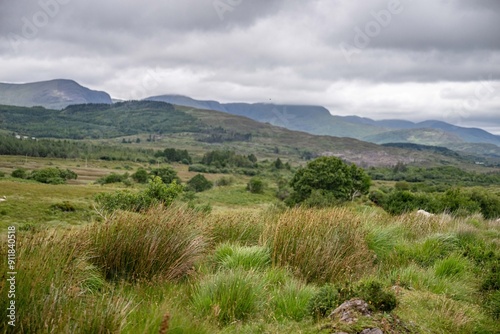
158,243
229,296
174,270
231,256
319,245
58,291
243,226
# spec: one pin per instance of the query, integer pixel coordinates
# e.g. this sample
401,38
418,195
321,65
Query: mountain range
317,120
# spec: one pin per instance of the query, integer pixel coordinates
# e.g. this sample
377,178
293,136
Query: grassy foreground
174,270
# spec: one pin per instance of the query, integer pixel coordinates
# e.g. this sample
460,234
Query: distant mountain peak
52,94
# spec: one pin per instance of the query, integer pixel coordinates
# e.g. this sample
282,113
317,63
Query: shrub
2,173
167,174
255,185
140,176
159,243
324,301
228,296
224,181
112,178
321,245
52,175
19,173
199,183
156,193
373,293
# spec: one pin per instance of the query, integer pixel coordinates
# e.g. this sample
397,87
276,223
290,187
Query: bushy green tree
199,183
255,185
331,176
140,176
167,174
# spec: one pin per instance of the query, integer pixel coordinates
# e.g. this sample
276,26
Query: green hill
197,129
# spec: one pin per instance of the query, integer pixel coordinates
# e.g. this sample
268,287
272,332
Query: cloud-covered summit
381,59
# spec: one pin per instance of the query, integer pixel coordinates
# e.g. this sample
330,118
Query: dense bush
227,158
256,185
113,178
324,301
455,201
224,181
167,174
19,173
140,176
199,183
379,299
52,175
328,175
175,155
156,193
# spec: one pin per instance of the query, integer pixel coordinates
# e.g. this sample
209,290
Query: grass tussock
161,243
59,291
320,245
243,227
231,256
229,296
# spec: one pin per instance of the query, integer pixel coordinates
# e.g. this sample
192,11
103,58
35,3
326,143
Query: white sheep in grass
3,199
424,213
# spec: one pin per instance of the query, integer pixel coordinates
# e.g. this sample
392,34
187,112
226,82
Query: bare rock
350,310
372,331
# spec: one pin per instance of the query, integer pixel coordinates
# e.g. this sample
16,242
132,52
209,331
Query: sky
405,59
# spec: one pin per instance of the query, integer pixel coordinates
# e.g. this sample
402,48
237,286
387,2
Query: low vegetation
274,252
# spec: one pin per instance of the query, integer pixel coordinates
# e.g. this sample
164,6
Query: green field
230,261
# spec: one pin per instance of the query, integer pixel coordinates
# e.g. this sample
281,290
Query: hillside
54,94
195,129
313,119
424,136
318,120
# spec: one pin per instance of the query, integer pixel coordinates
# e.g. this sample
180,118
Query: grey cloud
286,50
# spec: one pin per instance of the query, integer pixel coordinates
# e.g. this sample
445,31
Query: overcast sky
410,59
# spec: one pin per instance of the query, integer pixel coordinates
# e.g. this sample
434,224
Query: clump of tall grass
433,313
161,243
426,251
426,279
382,240
230,256
243,227
229,296
418,226
291,301
320,245
451,266
58,290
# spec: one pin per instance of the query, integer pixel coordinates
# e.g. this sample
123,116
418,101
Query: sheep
424,213
3,199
